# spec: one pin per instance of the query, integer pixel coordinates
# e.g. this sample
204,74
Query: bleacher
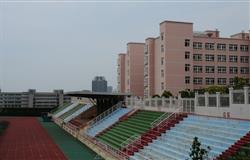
217,133
71,111
107,121
242,154
60,108
137,124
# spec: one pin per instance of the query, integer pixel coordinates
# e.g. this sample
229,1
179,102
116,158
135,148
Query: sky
63,45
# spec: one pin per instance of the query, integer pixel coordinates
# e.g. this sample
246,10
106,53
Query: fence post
171,102
163,101
230,96
195,99
217,99
206,99
246,91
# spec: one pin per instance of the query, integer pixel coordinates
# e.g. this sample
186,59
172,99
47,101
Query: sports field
26,139
29,138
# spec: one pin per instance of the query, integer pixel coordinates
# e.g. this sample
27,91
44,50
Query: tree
166,94
156,96
214,89
239,82
197,152
187,93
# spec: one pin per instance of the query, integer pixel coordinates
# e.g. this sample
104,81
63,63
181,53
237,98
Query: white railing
129,141
114,152
162,123
162,117
104,114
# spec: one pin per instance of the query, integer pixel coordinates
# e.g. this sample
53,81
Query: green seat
137,124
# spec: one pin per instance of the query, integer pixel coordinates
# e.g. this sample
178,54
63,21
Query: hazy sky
48,46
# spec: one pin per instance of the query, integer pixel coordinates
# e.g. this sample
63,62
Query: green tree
166,94
239,82
187,93
214,89
156,96
197,152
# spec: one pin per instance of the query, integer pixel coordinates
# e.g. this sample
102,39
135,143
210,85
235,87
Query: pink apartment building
131,70
183,59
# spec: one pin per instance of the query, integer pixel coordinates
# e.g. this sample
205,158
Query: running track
26,139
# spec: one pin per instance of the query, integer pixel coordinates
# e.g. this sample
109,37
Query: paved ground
72,148
26,139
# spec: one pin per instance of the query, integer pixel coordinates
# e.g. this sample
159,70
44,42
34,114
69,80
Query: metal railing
129,141
160,124
104,114
162,117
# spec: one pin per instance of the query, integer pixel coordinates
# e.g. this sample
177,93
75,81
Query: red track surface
26,139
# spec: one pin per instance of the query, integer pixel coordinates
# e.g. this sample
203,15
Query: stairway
235,147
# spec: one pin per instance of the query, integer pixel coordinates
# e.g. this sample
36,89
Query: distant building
110,89
99,84
33,99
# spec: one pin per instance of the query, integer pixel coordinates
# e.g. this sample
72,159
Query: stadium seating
137,124
60,108
219,134
107,121
242,154
65,109
78,111
71,111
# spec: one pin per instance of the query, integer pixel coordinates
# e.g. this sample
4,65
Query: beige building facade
181,58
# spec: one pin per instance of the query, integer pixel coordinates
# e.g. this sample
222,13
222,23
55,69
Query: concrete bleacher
107,121
137,124
217,133
70,112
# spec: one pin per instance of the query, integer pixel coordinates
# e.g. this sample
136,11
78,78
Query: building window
162,48
187,79
244,48
187,67
244,70
187,42
209,57
197,80
197,45
197,57
162,73
162,85
231,81
187,55
197,69
233,59
233,70
222,69
222,58
221,47
222,81
244,59
209,81
162,36
162,60
233,47
209,46
209,69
